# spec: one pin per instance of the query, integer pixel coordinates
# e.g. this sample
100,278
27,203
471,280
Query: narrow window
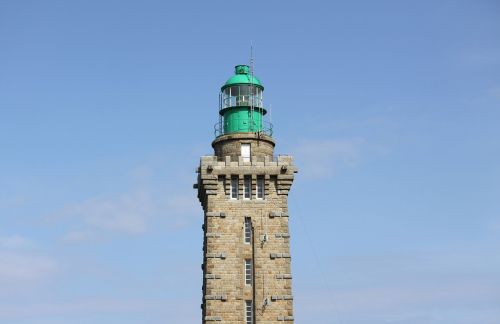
245,152
247,188
248,272
248,312
248,230
260,187
234,187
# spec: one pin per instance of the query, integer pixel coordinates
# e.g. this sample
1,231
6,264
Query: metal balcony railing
267,129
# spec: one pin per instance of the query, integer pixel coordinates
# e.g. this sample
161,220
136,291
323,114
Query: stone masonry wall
224,288
230,145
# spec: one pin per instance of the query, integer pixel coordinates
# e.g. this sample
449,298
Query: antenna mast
251,88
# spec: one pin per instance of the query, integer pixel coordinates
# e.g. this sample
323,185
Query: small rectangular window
248,230
245,152
247,187
260,187
248,272
234,187
248,312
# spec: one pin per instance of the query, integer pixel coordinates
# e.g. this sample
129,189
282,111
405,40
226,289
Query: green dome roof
242,76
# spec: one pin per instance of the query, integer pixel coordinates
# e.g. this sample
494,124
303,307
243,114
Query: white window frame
248,312
234,187
247,187
261,190
247,231
248,272
246,157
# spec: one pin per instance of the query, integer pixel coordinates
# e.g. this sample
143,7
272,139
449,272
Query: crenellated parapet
212,173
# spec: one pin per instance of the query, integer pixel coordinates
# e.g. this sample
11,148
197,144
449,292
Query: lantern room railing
267,129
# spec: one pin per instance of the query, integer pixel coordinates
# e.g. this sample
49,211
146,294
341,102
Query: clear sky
391,109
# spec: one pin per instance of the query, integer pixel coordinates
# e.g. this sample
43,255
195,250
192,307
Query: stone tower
243,189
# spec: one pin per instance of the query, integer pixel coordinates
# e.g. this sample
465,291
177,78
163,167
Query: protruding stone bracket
277,214
284,276
282,235
216,297
213,318
281,297
212,276
216,214
220,255
285,318
213,235
279,255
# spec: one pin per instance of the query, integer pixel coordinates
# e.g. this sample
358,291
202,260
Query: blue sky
391,109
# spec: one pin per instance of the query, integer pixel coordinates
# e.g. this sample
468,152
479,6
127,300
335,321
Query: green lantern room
241,106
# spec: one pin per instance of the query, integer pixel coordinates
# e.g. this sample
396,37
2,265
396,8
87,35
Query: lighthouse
243,189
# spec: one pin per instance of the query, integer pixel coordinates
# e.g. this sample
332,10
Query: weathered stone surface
225,250
230,145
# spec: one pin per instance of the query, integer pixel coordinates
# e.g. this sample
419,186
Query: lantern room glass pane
242,95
